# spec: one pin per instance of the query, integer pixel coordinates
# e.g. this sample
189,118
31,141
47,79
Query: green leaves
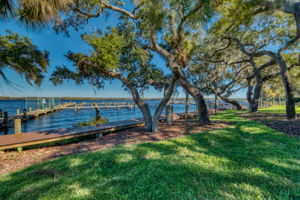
254,23
233,14
116,54
107,48
19,54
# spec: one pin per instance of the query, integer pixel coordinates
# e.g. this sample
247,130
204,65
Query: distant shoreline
97,98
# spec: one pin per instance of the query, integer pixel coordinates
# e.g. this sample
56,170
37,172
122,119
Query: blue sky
58,46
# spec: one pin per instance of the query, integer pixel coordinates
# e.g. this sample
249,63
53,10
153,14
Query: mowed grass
244,161
277,109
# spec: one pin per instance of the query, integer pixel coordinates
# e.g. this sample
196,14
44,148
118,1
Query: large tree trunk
145,109
162,104
151,122
290,102
254,100
143,106
249,93
198,97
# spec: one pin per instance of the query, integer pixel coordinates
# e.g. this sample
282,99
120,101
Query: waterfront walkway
33,138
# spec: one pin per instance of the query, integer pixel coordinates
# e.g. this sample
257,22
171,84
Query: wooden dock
33,138
109,105
101,106
31,114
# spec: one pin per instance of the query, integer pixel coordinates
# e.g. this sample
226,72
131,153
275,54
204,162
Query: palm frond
39,12
6,8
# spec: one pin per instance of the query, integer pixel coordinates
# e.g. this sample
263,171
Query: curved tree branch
156,47
118,9
197,7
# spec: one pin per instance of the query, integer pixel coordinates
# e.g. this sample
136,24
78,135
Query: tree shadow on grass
245,161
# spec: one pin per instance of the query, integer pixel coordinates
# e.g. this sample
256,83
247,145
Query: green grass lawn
277,109
244,161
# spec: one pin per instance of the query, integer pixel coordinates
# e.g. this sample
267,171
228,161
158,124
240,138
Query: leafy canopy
116,54
19,54
254,24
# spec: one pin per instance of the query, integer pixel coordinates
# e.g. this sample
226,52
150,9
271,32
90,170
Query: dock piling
17,127
169,114
97,114
5,120
24,114
36,113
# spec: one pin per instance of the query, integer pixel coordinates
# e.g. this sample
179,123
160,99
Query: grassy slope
244,161
277,109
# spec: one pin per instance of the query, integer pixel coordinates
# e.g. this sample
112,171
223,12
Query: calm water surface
68,117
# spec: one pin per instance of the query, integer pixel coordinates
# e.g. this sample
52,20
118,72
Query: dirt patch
276,121
12,161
